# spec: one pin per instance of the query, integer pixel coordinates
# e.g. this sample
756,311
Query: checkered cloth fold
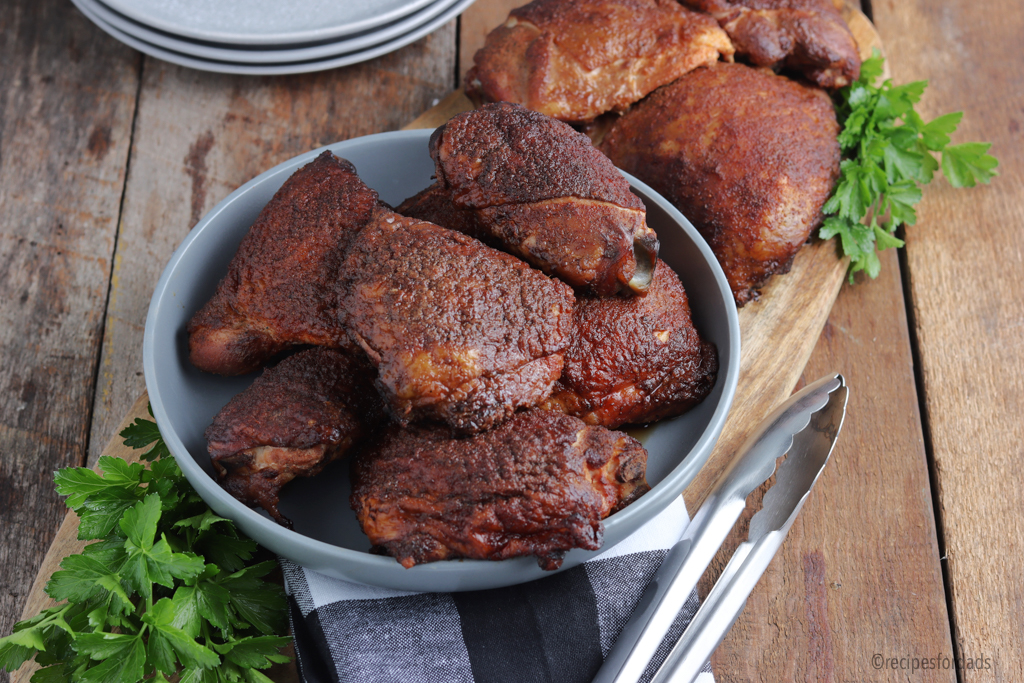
554,630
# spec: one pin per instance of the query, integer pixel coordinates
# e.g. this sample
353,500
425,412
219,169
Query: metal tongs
806,427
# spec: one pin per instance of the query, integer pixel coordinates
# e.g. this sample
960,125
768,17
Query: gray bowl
327,537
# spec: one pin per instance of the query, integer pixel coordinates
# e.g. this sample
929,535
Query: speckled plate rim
362,567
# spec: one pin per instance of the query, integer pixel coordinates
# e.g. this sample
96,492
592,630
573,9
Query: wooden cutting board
778,333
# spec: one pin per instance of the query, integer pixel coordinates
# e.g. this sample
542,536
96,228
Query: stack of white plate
269,37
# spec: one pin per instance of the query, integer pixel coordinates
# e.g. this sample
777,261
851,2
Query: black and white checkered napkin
556,630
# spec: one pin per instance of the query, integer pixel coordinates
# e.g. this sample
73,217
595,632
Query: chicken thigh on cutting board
808,36
748,156
576,59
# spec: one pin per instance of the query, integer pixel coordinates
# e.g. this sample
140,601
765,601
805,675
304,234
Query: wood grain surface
67,98
965,276
860,573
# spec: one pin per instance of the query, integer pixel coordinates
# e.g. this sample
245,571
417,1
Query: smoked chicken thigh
749,157
460,332
280,287
635,360
809,36
536,188
576,59
294,419
538,485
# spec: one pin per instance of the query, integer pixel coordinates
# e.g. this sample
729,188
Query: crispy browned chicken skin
576,59
749,157
280,287
538,485
293,420
460,332
635,360
434,205
538,189
809,36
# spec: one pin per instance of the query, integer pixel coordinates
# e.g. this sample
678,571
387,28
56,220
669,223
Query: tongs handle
752,465
720,610
668,591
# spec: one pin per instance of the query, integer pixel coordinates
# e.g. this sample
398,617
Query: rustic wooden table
910,547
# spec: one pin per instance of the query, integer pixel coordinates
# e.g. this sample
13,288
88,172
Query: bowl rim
657,498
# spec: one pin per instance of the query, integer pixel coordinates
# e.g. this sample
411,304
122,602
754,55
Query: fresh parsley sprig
167,590
889,153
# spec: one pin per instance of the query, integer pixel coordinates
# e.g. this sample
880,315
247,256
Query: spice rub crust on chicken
291,422
279,291
808,36
748,156
635,360
460,333
538,485
576,59
536,188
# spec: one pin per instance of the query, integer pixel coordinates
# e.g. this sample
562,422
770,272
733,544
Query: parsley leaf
122,657
964,165
202,522
80,483
167,591
935,135
83,578
17,648
890,153
141,433
169,638
263,611
257,652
